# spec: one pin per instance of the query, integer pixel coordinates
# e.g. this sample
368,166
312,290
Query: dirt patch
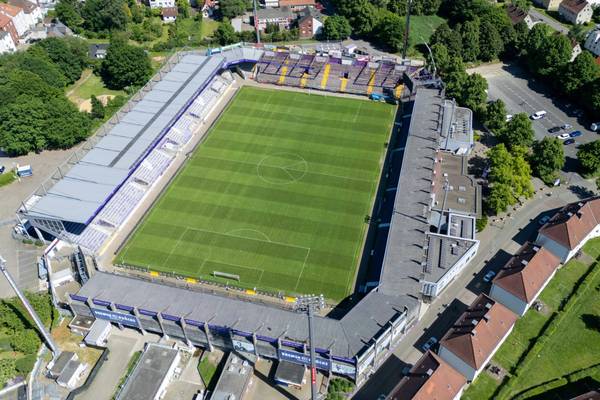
158,58
68,341
86,105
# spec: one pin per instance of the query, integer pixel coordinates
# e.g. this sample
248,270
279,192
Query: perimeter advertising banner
115,317
243,346
300,358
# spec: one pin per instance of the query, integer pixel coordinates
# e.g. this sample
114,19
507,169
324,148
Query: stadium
215,187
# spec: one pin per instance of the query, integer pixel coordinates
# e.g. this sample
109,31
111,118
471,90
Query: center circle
282,168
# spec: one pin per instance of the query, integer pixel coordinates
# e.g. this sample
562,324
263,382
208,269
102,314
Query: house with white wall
7,45
18,17
471,342
161,3
576,11
592,42
570,228
523,277
32,12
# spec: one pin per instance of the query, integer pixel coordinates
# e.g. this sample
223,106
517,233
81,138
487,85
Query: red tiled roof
296,3
574,6
169,12
526,272
13,11
515,14
431,378
28,6
573,222
478,331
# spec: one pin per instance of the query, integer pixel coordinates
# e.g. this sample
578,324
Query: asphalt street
554,24
522,94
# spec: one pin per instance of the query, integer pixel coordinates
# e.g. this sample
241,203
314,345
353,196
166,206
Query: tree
361,14
589,157
183,7
26,341
336,27
580,73
440,57
232,8
591,98
495,116
7,370
547,158
67,11
97,108
390,30
225,34
125,65
449,38
469,33
455,77
69,54
546,52
35,60
490,42
510,177
473,94
105,15
517,132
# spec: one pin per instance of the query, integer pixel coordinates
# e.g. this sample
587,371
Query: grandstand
97,189
334,74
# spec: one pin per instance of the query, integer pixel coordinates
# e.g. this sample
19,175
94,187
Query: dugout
290,374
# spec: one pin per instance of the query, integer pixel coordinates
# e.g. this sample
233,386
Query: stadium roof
87,186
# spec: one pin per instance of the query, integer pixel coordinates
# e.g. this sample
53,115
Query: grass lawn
569,348
207,370
277,194
208,27
422,27
88,85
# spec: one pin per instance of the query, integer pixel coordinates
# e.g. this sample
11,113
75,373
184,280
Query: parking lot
521,93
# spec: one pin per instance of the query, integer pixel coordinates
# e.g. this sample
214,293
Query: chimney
524,262
474,322
569,214
488,306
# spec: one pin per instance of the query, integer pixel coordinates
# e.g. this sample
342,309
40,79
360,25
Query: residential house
98,51
161,3
296,5
17,15
576,11
7,25
523,277
283,17
430,378
33,13
516,15
570,228
271,3
474,338
575,50
7,45
310,23
592,42
169,14
551,5
58,29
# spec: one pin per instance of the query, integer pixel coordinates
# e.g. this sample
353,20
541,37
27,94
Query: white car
538,114
509,117
563,136
489,276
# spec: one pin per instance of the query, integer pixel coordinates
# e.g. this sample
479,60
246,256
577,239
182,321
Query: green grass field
277,194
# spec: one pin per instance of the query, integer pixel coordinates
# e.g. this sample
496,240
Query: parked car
489,276
555,129
595,126
509,117
429,343
563,136
566,126
575,134
544,219
568,142
538,114
2,169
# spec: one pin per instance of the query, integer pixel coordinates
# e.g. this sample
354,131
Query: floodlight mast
53,347
310,304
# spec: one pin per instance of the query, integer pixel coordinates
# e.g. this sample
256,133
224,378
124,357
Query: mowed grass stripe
277,194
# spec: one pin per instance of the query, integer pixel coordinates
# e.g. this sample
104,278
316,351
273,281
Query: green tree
390,30
591,98
510,177
7,370
35,60
589,157
361,14
233,8
469,33
546,52
449,38
336,27
26,341
473,94
67,11
125,65
547,159
490,42
183,7
495,116
441,57
517,132
24,365
225,34
105,15
97,108
69,54
580,73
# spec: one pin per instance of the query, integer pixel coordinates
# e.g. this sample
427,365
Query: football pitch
277,195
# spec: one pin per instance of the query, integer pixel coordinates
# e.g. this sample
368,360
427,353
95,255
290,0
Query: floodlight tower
53,347
407,31
255,22
310,304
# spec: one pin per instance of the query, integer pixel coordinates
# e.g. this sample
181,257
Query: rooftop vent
524,262
474,322
570,214
429,372
536,249
488,305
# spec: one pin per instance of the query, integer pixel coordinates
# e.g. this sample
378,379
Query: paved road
499,240
554,24
521,93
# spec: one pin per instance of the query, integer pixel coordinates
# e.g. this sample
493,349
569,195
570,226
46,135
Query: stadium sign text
116,317
299,358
